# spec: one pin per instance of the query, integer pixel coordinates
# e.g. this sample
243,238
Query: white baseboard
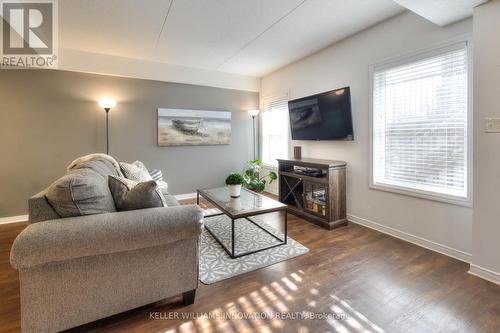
443,249
485,273
13,219
185,196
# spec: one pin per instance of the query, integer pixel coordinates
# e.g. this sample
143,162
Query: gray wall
48,118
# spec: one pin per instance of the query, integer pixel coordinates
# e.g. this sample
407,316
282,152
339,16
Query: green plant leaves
253,180
235,178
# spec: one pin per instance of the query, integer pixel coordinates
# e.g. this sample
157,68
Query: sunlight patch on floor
296,277
289,284
281,291
240,324
275,298
264,307
355,319
255,321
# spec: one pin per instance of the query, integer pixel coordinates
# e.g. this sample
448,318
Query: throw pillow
130,195
136,171
80,192
157,176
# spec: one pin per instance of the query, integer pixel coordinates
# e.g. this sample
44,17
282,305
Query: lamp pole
107,130
254,114
107,104
254,145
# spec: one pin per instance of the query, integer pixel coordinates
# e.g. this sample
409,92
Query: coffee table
247,205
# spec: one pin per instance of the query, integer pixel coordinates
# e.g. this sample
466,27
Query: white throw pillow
158,178
156,174
136,171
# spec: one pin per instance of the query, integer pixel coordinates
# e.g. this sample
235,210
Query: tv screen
325,116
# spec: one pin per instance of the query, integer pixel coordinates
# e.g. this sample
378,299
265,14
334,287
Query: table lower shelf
243,236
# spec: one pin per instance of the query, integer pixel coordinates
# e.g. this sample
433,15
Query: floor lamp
254,114
107,104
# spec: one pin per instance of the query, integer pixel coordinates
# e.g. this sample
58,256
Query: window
274,125
420,139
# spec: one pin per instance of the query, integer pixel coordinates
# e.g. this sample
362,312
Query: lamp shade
107,103
253,113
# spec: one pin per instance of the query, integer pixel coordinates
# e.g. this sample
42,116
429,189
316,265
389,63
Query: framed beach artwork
182,127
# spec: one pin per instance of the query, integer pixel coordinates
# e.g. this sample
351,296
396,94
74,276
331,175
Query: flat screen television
325,116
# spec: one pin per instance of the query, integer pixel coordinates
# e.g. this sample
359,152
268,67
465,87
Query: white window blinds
420,112
274,125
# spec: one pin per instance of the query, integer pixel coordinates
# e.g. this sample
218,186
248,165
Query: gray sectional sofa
76,270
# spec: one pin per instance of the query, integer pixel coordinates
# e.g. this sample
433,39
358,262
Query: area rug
216,265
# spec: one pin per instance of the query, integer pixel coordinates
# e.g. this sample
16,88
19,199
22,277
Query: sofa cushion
80,192
130,195
40,209
136,171
169,198
103,164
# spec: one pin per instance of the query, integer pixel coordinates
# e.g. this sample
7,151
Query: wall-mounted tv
325,116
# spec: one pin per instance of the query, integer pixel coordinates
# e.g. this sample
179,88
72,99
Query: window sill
449,199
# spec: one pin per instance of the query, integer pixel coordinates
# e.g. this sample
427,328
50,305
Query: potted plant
253,180
234,182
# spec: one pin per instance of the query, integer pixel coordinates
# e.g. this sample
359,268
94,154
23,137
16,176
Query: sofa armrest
75,237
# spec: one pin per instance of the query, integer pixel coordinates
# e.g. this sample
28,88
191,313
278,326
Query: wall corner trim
485,273
436,247
13,219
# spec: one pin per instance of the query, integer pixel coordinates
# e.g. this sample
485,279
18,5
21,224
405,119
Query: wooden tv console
320,197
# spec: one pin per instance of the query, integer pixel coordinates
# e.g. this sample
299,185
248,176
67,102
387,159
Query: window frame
406,59
272,96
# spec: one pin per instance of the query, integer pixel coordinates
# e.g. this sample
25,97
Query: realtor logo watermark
29,34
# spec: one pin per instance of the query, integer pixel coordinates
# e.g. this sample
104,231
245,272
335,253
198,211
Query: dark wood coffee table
247,205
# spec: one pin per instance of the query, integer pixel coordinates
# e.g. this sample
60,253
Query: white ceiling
246,37
250,37
442,12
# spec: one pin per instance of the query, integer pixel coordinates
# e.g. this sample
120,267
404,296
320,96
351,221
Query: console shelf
318,198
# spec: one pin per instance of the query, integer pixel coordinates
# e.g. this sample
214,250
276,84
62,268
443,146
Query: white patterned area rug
216,265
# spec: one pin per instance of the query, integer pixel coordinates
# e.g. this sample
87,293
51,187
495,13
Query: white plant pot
235,203
234,190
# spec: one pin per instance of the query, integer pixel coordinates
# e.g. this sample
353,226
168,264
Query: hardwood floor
373,282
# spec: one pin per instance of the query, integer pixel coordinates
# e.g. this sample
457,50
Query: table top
249,203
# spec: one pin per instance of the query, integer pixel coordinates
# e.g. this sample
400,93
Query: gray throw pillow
130,195
80,192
